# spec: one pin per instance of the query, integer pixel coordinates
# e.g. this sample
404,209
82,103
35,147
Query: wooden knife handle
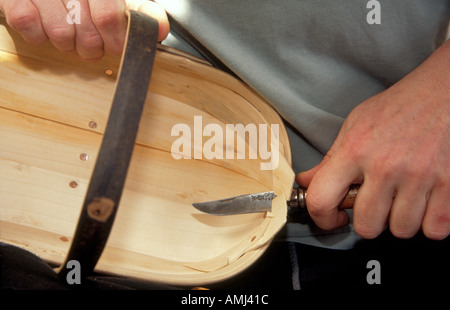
298,197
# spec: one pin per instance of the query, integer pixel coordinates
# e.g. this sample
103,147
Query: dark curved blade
249,203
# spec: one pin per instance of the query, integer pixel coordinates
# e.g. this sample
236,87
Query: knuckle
420,169
386,167
91,40
328,156
320,213
357,142
355,146
316,206
61,33
442,184
22,19
105,18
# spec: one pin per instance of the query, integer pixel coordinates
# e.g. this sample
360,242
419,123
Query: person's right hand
397,144
102,27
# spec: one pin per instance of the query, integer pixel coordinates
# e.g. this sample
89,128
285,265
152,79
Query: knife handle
298,198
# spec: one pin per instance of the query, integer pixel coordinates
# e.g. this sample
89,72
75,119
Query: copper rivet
73,184
108,72
92,124
84,156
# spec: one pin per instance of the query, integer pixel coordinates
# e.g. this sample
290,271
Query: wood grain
53,110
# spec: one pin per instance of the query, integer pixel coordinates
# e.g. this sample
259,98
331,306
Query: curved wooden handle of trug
108,178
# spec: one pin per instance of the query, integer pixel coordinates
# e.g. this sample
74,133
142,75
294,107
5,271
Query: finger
24,17
327,189
54,21
372,207
110,20
408,210
436,222
304,178
88,42
154,10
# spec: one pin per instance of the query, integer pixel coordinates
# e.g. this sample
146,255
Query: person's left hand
102,27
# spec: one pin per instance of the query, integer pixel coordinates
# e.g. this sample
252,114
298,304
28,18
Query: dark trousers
417,263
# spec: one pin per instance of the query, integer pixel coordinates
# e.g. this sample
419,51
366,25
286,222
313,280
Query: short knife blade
262,202
249,203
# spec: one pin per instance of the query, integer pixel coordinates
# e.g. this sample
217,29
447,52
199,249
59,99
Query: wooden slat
48,148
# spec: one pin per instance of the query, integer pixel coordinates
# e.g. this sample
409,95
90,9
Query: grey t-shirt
314,61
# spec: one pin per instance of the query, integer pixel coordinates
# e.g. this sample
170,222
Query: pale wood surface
48,103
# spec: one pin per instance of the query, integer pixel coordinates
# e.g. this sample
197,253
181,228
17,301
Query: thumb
153,10
304,178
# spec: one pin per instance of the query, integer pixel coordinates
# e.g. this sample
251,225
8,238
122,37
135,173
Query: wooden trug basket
53,111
